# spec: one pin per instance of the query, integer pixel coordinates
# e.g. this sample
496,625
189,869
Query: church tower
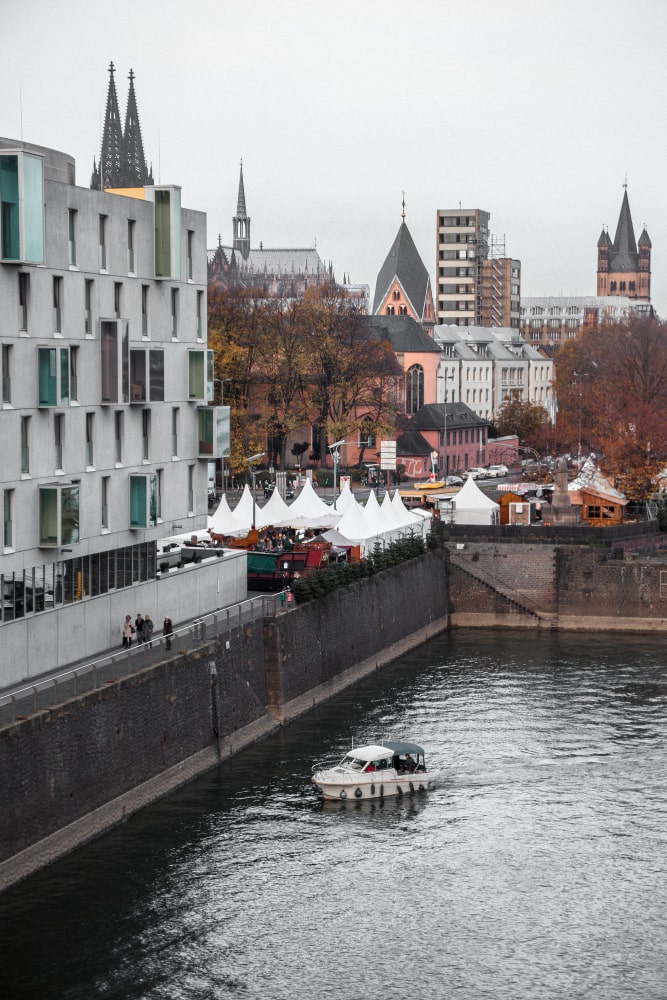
403,286
623,268
122,163
241,222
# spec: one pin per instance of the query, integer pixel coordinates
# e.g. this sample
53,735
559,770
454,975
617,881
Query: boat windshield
353,762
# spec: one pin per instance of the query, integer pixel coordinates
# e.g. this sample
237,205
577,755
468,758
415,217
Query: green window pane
176,234
47,376
48,516
33,209
9,208
152,512
162,234
138,502
205,432
196,374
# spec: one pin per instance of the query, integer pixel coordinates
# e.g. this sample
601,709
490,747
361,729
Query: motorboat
375,771
430,484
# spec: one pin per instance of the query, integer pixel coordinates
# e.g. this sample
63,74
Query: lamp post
221,383
253,472
445,378
580,375
335,458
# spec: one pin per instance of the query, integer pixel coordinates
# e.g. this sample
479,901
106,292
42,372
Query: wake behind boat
375,772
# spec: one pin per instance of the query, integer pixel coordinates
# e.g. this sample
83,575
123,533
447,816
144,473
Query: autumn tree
354,374
525,419
611,384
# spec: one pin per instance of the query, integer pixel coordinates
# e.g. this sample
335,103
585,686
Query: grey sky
533,111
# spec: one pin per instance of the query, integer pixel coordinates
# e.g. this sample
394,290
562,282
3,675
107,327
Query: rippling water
535,869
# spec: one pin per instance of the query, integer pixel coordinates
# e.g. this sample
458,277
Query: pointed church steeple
403,286
111,155
241,222
624,246
136,173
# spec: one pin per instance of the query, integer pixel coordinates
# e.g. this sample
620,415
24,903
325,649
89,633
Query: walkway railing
46,692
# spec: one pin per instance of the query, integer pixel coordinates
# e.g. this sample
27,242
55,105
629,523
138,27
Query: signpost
388,456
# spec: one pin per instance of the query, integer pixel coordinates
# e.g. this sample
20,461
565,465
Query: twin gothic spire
122,162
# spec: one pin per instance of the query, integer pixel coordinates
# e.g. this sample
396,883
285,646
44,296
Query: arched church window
390,310
396,295
414,389
402,310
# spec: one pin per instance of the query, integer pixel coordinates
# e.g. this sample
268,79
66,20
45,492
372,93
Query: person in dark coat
167,631
139,626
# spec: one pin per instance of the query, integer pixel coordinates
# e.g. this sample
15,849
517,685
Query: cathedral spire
136,174
111,154
241,222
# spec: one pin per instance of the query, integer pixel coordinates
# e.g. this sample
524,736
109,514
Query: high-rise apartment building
478,285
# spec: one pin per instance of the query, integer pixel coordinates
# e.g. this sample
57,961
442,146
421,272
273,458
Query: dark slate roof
404,334
644,240
403,262
411,442
623,255
431,417
604,240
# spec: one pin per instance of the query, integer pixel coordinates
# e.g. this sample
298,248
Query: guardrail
91,676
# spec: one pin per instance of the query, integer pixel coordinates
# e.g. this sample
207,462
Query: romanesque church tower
624,266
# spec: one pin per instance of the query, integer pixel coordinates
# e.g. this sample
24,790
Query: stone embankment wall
557,586
71,772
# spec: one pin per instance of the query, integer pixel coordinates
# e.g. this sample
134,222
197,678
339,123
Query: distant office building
403,286
478,285
284,272
550,320
624,267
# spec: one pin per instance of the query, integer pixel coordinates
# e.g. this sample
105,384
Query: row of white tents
349,523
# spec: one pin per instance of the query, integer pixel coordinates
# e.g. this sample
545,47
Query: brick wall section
327,636
60,764
590,584
527,569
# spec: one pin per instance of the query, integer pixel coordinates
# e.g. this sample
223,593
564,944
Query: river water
536,868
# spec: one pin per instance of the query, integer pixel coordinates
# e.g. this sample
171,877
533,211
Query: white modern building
106,376
484,366
551,320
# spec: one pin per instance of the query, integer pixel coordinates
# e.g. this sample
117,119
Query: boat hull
362,787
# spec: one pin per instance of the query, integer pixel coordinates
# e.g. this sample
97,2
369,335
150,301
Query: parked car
476,473
497,471
453,481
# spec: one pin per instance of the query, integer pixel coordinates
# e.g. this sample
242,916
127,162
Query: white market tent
309,511
274,510
472,506
405,516
224,521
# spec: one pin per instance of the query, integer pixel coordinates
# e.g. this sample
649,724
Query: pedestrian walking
148,630
128,629
167,631
139,626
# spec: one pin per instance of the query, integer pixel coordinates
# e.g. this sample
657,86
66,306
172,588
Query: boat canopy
374,750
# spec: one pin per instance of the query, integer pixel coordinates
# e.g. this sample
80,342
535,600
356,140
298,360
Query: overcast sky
533,111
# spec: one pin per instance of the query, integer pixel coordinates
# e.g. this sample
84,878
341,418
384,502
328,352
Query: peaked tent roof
403,263
275,509
470,497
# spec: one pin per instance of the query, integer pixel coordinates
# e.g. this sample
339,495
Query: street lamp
221,383
253,473
445,378
335,457
580,375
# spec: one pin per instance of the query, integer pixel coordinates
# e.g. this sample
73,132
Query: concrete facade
86,435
